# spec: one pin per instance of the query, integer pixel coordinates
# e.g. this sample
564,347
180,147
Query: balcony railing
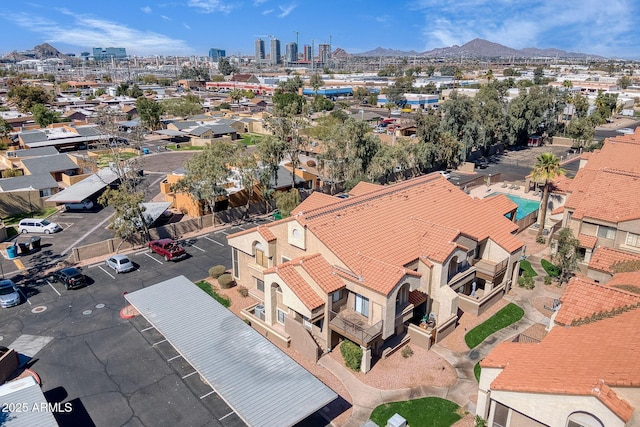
354,326
491,268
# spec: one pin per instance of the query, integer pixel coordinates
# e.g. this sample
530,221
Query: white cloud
186,26
266,12
146,9
258,2
87,31
166,18
286,9
210,6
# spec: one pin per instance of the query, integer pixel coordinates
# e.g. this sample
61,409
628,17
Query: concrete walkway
366,398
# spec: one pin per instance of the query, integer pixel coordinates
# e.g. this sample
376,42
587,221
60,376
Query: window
606,232
362,305
236,269
306,323
500,415
281,316
335,297
633,240
45,193
260,285
262,259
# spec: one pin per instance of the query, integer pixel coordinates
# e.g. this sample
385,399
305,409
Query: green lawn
105,159
205,286
15,219
476,371
183,147
527,270
503,318
250,139
424,412
551,269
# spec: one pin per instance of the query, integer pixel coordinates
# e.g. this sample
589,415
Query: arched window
453,267
261,257
583,419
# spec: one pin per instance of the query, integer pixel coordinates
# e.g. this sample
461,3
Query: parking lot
115,371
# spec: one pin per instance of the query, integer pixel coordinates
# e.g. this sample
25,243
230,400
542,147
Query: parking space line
214,241
18,263
94,265
220,419
141,251
188,375
174,358
159,342
218,232
210,393
106,272
53,287
147,254
24,295
200,249
224,232
147,329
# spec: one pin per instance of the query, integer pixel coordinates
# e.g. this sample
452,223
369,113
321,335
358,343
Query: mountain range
477,48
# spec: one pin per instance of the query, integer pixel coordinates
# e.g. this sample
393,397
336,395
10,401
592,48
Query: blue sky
191,27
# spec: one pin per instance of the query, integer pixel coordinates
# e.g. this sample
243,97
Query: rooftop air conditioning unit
258,311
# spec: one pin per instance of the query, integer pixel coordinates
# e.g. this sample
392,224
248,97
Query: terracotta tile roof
623,151
436,242
558,210
629,282
583,299
501,203
321,272
297,284
314,201
364,187
587,241
266,233
561,184
376,275
606,194
584,360
417,297
604,258
253,230
388,224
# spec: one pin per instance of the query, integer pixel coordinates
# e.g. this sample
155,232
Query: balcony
488,269
354,326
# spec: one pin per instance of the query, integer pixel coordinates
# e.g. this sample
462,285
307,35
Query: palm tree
546,169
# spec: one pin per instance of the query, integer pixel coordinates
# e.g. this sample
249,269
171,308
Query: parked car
9,295
120,263
445,174
84,205
482,163
37,225
168,249
70,277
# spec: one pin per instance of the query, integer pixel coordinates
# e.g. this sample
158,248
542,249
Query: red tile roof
376,275
627,281
314,201
394,225
364,187
584,360
587,241
253,230
266,233
604,258
583,299
297,284
501,203
621,152
321,272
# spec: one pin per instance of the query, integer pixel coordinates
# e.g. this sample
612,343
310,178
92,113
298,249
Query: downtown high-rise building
291,52
324,53
307,53
259,46
274,54
217,54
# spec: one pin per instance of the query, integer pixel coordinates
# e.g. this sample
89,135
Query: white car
84,205
120,263
445,174
626,131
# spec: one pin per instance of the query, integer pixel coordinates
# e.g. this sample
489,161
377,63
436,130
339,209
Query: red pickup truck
168,248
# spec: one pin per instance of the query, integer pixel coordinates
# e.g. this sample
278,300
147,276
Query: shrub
352,354
526,269
242,290
225,281
541,240
407,352
217,271
205,286
547,280
526,282
552,270
311,163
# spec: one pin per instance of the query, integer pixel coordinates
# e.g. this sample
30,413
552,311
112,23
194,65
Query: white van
38,225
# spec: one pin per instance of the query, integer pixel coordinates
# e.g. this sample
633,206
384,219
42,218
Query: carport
154,210
85,188
24,405
255,378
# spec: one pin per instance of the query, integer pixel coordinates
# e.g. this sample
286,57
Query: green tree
566,256
533,111
5,128
321,103
538,76
606,104
489,75
457,76
236,95
395,92
360,93
100,91
149,79
581,104
581,130
624,82
250,173
271,152
43,116
149,111
194,73
129,215
461,119
287,104
286,201
25,97
122,89
291,85
224,67
546,169
184,107
315,81
249,94
372,99
135,91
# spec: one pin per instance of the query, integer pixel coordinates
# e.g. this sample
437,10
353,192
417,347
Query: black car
71,277
482,163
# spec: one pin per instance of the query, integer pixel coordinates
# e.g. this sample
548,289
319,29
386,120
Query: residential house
602,209
42,182
61,136
56,165
364,267
582,374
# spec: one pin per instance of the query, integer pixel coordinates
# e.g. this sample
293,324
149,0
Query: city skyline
192,27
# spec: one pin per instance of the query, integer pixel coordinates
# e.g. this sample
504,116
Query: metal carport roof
85,188
153,210
263,385
25,405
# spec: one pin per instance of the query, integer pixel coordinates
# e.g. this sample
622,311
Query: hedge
352,354
225,281
217,271
552,270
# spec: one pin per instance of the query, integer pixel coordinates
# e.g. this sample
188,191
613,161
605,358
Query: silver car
120,263
9,295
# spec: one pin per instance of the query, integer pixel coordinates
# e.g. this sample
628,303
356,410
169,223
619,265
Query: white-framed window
281,316
606,232
362,305
335,297
633,240
260,285
236,268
